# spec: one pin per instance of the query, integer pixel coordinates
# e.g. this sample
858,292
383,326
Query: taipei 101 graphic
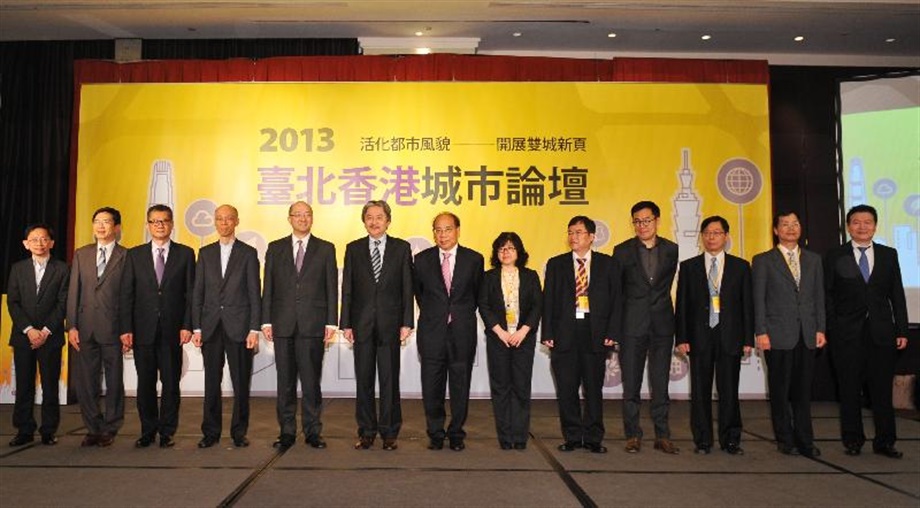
686,206
162,190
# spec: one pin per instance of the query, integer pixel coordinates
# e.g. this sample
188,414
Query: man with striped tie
300,297
378,314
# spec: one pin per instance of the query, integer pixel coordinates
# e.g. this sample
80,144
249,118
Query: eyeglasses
442,231
578,233
643,222
36,241
508,248
712,233
159,222
103,222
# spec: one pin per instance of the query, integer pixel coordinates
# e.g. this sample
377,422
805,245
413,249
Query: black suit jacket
851,301
435,304
233,299
307,301
385,305
646,308
492,301
559,301
146,304
38,310
736,316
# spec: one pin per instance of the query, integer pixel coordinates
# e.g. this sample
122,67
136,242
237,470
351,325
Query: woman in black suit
510,302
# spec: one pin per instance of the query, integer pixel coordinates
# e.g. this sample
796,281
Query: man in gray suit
225,320
789,323
92,317
646,323
300,315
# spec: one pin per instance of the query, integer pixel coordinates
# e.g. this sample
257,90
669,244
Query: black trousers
632,355
580,367
93,361
239,359
510,373
299,357
859,363
374,362
450,367
162,359
789,378
704,361
28,362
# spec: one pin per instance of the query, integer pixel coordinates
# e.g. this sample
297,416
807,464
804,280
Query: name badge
716,304
511,318
581,304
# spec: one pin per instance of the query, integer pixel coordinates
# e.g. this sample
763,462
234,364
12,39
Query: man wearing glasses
93,302
156,320
646,324
300,315
715,325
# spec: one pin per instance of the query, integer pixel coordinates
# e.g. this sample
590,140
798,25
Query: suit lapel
116,257
309,256
387,260
783,266
148,268
29,276
233,260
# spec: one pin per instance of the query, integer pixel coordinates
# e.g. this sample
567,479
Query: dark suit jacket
435,304
782,310
736,316
851,300
44,309
559,301
308,300
232,300
492,301
93,304
146,304
646,308
387,304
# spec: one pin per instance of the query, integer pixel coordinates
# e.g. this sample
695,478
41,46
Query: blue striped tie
376,262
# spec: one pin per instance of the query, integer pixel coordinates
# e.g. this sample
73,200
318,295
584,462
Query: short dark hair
863,209
588,223
500,241
160,208
377,202
39,225
447,214
116,215
714,218
641,205
783,213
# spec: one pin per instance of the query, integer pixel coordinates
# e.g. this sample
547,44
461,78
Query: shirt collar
452,251
587,257
305,239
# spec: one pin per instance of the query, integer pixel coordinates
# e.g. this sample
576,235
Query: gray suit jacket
781,310
93,303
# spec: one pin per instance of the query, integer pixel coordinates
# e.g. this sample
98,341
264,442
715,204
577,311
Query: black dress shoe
284,441
520,446
49,439
569,446
315,442
364,443
888,451
810,451
702,449
733,449
595,448
389,444
90,440
457,445
436,444
105,440
208,441
505,445
144,441
787,449
240,442
21,439
852,449
167,442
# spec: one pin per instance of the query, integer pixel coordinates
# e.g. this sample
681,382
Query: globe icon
739,181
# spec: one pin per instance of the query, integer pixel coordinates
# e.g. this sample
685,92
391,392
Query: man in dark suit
646,324
299,314
225,320
579,317
378,314
715,325
447,280
867,325
36,299
93,301
156,320
789,322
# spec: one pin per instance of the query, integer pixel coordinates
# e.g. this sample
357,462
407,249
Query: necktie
100,265
445,270
298,261
581,279
160,265
376,262
864,263
794,268
713,291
